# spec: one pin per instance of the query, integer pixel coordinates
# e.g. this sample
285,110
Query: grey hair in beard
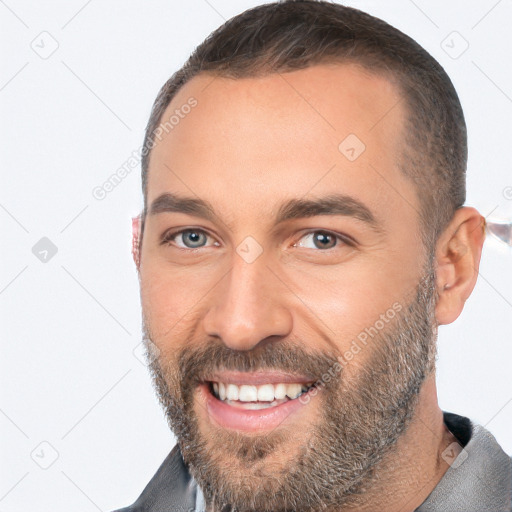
361,421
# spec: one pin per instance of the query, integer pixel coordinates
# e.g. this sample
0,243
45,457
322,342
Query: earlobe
136,232
458,255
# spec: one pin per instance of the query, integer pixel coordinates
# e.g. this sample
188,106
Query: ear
136,232
458,252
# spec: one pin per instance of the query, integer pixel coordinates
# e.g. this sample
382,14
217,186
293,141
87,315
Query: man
302,238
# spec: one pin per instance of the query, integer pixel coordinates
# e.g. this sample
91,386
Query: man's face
271,291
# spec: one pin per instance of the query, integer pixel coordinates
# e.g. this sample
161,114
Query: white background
69,376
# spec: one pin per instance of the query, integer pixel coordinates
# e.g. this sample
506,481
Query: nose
248,306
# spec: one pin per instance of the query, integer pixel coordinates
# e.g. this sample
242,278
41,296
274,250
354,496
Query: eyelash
168,238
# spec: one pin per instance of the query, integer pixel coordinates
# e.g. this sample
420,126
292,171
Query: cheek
172,299
345,300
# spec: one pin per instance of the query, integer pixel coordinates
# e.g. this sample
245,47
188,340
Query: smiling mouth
263,396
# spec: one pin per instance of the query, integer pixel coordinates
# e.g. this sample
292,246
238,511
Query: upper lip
258,377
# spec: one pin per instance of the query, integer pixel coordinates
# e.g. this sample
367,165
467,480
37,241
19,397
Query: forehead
324,128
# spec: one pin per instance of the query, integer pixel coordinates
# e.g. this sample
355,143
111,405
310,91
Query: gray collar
479,479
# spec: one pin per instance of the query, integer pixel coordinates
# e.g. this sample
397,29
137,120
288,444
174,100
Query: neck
414,467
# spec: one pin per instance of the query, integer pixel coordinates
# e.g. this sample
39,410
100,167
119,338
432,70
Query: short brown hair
295,34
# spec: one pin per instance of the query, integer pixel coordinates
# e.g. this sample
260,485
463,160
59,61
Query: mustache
197,364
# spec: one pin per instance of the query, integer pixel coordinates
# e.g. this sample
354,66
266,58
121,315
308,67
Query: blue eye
188,238
197,238
193,239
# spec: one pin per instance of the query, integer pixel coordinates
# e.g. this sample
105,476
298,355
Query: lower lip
253,420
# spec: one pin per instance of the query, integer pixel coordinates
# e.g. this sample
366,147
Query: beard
333,462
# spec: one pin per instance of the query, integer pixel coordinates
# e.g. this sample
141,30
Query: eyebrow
172,203
334,204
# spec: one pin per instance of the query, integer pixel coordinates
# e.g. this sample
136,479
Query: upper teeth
262,393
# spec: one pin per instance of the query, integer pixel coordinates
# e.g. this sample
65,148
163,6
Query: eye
188,239
321,240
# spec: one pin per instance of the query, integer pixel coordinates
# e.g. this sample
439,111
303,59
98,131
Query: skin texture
248,146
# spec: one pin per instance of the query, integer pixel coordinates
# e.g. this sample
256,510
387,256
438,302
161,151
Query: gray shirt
479,479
